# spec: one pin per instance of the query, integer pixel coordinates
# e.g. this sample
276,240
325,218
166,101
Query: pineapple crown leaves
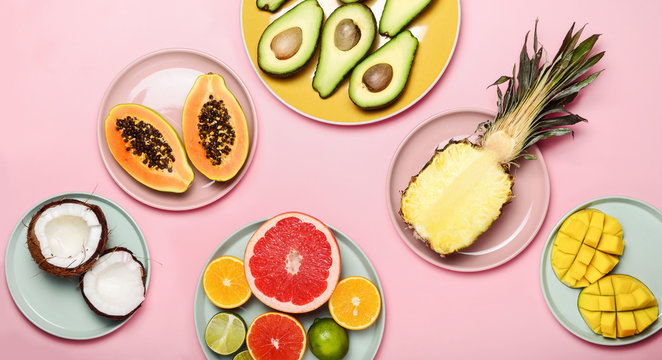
532,108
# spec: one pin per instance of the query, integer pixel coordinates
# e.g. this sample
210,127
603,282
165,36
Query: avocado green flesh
269,5
334,64
398,13
307,16
399,54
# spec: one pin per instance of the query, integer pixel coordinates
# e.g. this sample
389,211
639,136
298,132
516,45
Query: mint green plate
642,232
55,304
363,343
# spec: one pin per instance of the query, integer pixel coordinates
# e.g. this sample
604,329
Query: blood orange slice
276,336
292,263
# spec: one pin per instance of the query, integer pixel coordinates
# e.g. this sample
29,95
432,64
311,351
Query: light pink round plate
521,218
161,81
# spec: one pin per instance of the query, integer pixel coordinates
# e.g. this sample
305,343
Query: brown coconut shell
35,248
143,276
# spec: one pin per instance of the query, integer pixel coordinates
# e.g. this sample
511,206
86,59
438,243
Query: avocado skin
267,42
325,31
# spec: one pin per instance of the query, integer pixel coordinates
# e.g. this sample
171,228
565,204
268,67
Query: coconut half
115,286
65,237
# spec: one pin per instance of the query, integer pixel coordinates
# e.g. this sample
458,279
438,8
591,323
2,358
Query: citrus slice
225,283
355,303
276,335
244,355
292,263
225,333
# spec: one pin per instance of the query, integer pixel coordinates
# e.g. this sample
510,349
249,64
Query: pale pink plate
161,81
521,218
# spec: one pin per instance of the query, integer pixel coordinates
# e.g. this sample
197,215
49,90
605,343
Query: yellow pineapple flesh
462,172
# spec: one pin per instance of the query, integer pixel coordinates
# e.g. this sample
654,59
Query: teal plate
642,232
55,304
363,343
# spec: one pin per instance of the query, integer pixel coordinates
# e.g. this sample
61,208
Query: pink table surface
58,59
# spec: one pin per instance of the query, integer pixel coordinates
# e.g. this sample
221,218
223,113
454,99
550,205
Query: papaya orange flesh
148,148
214,129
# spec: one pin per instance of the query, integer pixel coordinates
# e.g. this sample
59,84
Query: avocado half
290,41
380,79
347,36
399,13
269,5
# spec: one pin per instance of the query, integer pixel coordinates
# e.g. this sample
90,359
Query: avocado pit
347,35
287,43
378,77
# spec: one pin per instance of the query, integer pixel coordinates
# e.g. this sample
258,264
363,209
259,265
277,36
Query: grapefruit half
276,336
292,263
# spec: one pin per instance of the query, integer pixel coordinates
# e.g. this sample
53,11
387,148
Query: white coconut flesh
114,285
68,234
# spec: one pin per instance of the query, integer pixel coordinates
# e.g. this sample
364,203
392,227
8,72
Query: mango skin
617,306
587,246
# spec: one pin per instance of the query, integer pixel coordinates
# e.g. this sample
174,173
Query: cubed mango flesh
617,306
586,247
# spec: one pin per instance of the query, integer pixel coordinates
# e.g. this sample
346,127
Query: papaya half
148,148
214,129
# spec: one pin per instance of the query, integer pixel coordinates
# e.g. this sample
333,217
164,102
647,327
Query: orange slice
275,335
225,283
355,303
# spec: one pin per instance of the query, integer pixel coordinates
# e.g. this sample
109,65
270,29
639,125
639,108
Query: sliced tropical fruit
617,306
586,247
356,303
65,237
462,189
145,145
225,333
292,263
244,355
214,128
224,282
276,336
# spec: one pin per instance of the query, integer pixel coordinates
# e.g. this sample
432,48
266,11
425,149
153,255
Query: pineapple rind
456,197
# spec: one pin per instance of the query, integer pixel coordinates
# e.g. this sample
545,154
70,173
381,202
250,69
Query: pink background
58,59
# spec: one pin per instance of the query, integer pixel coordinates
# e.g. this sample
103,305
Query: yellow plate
436,28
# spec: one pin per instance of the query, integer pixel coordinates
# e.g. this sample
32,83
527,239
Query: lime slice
244,355
225,333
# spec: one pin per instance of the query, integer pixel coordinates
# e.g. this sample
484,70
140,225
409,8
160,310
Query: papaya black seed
146,141
215,131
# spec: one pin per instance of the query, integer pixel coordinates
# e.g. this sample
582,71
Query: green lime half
225,333
328,340
244,355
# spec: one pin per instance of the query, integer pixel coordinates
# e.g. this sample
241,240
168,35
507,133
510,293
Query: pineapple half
460,192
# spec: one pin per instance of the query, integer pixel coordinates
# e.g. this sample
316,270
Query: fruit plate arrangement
642,226
521,218
54,304
436,28
161,81
364,343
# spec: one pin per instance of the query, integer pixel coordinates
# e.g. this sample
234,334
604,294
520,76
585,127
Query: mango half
617,306
586,248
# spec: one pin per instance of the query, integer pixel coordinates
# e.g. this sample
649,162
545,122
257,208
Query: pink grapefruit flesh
292,263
